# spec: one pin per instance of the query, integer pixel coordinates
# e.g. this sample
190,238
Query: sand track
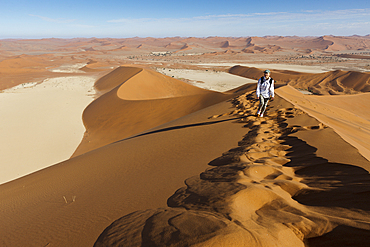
249,196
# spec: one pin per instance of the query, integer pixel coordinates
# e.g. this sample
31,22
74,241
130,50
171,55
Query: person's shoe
261,115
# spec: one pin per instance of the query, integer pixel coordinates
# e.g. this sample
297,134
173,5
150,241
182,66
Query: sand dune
331,82
267,44
140,100
23,60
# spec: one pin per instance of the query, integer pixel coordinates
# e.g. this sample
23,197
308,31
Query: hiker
265,91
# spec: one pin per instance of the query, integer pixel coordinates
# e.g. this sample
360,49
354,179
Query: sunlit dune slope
331,82
140,99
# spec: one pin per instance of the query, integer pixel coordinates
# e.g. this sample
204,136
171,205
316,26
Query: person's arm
258,90
272,89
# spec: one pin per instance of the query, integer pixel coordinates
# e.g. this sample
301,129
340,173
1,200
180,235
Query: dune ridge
261,193
332,82
138,100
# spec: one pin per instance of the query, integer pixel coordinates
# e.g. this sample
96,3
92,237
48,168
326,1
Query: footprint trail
246,197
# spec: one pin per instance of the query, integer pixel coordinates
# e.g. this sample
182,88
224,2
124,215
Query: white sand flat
211,80
41,124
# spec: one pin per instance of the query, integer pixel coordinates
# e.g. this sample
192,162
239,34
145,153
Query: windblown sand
41,124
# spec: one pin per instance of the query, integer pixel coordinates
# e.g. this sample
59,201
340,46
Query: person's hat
266,71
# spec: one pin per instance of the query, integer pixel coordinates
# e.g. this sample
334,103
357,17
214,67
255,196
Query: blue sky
202,18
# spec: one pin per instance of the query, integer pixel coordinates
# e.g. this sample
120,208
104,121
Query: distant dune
25,60
332,82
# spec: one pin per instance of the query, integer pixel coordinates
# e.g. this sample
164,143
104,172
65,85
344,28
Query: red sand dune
332,82
176,46
138,100
267,44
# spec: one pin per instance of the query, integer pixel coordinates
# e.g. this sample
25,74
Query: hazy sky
200,18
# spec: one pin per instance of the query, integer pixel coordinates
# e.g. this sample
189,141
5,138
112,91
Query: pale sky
196,18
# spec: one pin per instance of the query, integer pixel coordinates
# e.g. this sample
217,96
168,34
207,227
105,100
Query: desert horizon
156,142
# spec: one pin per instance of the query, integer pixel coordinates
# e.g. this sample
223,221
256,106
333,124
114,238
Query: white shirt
265,87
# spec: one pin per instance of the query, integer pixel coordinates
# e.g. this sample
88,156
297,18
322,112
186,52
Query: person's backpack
269,81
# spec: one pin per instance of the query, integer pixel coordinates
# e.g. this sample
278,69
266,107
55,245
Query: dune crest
136,100
116,78
249,196
149,85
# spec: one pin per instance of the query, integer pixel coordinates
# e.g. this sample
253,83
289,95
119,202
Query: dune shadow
181,127
341,236
340,185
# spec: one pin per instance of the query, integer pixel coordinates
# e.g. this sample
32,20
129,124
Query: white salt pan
41,125
211,80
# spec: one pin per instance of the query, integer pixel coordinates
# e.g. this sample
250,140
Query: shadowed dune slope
332,82
70,204
140,100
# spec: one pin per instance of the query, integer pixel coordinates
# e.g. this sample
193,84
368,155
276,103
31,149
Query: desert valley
156,142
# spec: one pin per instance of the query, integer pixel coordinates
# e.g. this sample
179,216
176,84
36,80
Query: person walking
265,92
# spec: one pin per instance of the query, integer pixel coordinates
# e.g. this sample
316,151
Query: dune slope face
270,190
332,82
136,100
